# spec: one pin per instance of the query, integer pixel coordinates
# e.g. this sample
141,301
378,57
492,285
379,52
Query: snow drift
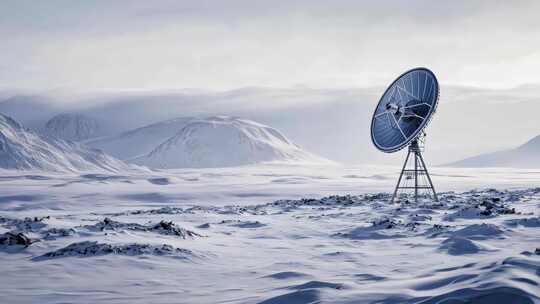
70,126
224,141
23,149
524,156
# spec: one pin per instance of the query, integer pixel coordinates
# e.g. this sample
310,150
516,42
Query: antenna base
418,173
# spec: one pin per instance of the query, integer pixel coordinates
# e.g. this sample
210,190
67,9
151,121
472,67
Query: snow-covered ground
270,234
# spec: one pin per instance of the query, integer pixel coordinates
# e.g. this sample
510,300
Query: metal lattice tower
418,174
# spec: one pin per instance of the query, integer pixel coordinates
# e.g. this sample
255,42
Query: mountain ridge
526,155
142,140
24,149
224,141
73,126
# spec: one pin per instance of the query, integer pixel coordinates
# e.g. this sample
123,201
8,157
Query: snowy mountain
30,110
224,141
139,141
23,149
524,156
74,127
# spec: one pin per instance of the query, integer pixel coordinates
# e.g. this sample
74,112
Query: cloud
229,44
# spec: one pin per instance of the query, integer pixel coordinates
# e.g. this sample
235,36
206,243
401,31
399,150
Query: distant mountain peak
22,149
524,156
223,141
139,141
533,145
72,126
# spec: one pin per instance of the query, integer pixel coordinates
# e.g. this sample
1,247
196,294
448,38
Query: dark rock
54,233
12,238
89,248
25,225
163,227
170,228
204,226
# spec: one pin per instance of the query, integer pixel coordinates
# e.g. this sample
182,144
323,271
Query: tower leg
429,178
400,176
416,153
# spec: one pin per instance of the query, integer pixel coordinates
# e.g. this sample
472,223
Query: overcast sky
95,45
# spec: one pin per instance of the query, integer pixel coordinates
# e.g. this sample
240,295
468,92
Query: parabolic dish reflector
404,110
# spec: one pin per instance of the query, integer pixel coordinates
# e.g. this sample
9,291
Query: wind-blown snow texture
224,141
74,127
268,234
23,149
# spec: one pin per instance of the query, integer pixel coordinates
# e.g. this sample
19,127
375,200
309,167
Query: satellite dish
399,120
